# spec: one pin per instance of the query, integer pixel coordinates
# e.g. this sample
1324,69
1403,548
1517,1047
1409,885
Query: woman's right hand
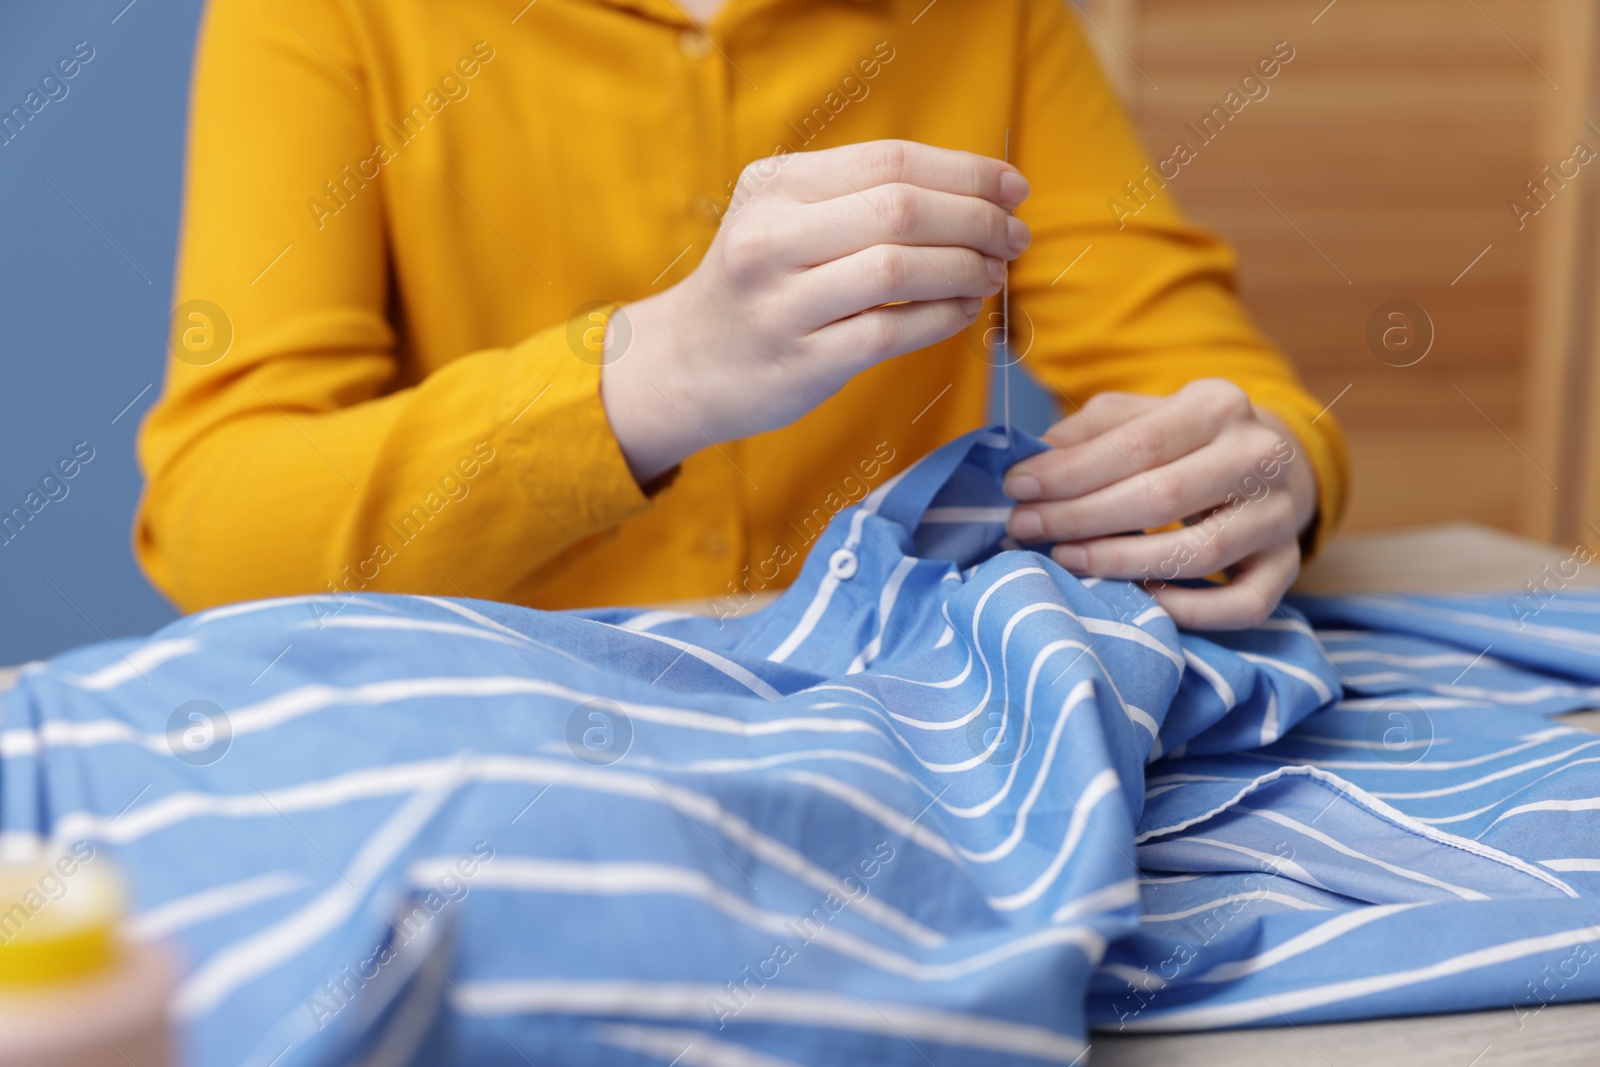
826,263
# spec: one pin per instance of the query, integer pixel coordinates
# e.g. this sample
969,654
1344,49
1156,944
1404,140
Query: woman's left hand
1232,473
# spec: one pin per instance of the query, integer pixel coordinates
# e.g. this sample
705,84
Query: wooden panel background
1379,167
1564,380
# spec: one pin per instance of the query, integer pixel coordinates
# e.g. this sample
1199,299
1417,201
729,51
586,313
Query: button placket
713,545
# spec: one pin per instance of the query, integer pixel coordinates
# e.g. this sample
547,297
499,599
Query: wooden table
1433,559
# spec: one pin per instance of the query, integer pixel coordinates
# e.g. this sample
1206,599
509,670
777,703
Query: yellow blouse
406,220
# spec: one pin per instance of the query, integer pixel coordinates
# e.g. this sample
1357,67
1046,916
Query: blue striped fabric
941,802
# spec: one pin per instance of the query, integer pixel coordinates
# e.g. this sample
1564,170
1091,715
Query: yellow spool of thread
59,915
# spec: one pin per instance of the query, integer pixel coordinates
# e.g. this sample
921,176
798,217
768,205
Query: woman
399,363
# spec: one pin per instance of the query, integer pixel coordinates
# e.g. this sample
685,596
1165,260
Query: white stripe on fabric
146,657
421,776
1490,807
294,703
775,1005
1271,863
1578,804
873,501
1505,772
239,963
1301,736
484,621
1474,692
1532,741
888,817
1213,677
423,626
1185,778
826,587
1269,720
1081,692
1366,704
1103,785
1292,670
988,688
1339,846
187,911
250,607
1220,902
1555,634
1437,659
1300,944
1348,790
1110,628
945,683
1291,625
736,765
886,600
1134,713
1284,1002
1139,978
646,620
720,663
873,808
576,878
1123,894
955,724
691,1048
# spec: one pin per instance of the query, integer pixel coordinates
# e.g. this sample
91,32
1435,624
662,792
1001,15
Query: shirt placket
719,540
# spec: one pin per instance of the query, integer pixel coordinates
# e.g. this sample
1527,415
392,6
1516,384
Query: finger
887,274
1189,486
883,333
1214,543
899,213
1190,418
1097,415
834,172
1247,600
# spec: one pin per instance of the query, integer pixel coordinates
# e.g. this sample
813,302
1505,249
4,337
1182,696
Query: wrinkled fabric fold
941,799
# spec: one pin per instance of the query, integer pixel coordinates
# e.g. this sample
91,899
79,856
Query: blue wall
84,293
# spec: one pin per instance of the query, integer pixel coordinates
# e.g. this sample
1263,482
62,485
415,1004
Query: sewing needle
1005,330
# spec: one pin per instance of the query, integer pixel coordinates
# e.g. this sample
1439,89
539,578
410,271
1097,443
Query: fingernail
971,305
1018,237
1027,526
997,269
1022,487
1013,187
1071,557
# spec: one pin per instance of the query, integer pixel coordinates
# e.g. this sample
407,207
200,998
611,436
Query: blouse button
843,564
694,44
712,544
